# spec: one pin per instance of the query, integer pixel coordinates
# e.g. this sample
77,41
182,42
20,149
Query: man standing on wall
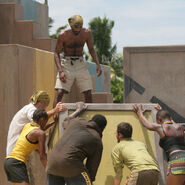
72,67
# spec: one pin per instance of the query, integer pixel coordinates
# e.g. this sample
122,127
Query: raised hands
60,107
81,106
138,109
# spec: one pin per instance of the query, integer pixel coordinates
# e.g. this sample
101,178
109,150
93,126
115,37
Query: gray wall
157,75
34,11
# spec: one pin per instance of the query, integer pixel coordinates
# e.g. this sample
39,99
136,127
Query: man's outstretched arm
58,49
60,107
80,107
149,125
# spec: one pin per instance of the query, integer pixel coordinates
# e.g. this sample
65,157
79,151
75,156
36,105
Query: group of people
82,139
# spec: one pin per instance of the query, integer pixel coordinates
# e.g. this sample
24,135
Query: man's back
81,140
134,155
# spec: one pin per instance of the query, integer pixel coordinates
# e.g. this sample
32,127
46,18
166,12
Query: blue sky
137,22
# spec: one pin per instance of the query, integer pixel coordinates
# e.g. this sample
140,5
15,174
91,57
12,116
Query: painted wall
157,75
102,82
30,32
35,11
115,114
23,70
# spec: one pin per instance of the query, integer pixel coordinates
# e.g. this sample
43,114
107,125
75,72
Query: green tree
116,65
50,25
101,31
55,35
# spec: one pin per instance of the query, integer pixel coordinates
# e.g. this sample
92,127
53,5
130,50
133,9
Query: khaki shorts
75,71
145,177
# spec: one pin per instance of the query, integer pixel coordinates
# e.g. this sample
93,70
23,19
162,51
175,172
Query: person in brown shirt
71,66
82,140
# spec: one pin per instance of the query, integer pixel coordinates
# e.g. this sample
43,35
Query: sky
137,22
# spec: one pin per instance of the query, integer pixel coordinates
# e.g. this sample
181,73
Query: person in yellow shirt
133,154
32,137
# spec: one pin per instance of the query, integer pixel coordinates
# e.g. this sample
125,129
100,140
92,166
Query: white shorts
75,71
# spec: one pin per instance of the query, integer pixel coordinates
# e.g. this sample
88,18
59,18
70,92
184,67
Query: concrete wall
23,70
156,74
35,11
116,113
42,19
16,30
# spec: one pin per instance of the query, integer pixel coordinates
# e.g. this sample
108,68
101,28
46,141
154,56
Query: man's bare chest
75,43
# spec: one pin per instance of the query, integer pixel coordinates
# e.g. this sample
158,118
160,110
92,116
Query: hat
75,21
41,96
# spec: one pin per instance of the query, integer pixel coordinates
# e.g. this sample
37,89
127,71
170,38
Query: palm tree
101,31
50,25
55,35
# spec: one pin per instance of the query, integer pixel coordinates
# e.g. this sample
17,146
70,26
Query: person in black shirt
171,140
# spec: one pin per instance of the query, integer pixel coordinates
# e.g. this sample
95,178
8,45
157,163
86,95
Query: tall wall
23,70
25,22
157,75
35,11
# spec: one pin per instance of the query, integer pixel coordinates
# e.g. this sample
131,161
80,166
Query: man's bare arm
41,139
49,125
117,181
60,107
58,49
93,53
80,107
151,126
39,135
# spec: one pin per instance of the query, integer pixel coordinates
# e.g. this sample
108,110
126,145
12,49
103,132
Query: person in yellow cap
72,67
39,100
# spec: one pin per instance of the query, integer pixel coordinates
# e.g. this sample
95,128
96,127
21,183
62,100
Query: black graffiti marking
132,84
176,117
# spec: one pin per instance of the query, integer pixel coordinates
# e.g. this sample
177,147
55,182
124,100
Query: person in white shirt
39,100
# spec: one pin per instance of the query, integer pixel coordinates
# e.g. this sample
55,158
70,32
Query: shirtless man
72,66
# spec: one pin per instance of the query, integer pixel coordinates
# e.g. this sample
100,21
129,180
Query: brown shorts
75,71
145,177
